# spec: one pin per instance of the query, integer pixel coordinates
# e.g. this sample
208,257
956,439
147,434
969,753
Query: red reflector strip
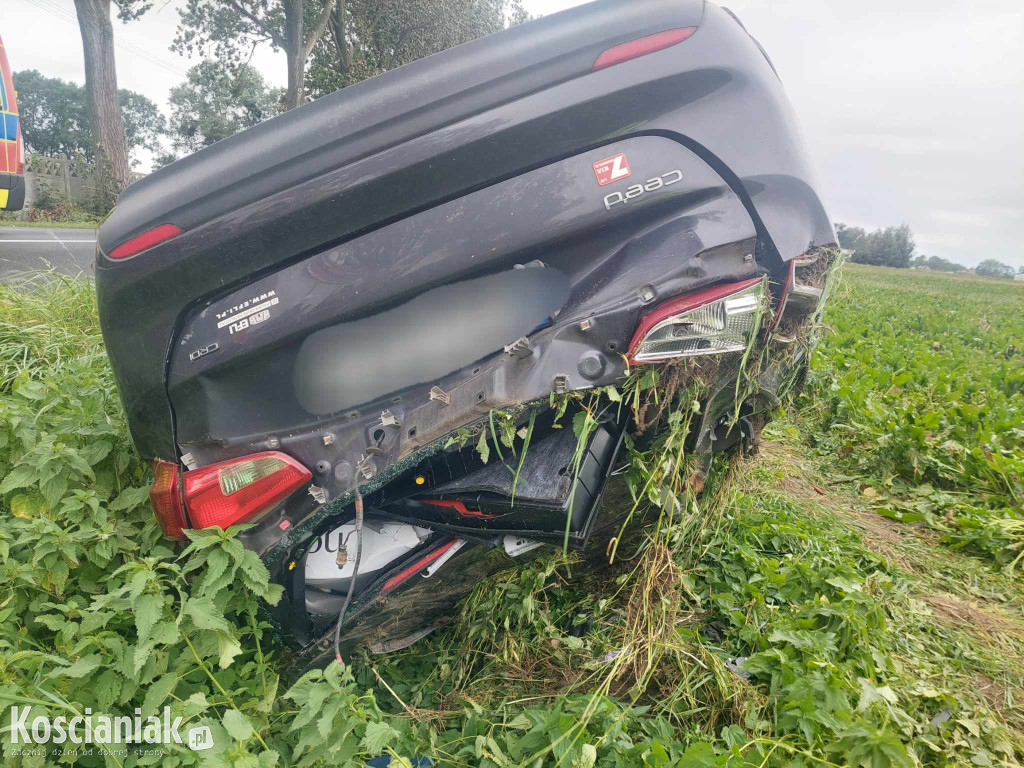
416,567
146,240
458,506
642,46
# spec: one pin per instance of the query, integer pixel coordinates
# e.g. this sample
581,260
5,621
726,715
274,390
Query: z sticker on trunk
611,169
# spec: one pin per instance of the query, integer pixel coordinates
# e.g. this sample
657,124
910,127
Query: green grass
46,321
860,565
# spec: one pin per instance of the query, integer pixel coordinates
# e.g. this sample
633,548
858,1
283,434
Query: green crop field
851,594
922,395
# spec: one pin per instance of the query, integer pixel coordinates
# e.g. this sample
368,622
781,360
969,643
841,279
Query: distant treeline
894,247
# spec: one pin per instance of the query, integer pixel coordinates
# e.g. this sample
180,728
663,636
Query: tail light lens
224,493
166,498
708,322
237,490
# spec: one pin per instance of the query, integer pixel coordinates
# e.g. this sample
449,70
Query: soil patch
987,625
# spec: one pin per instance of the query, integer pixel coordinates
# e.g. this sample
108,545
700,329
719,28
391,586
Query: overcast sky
913,110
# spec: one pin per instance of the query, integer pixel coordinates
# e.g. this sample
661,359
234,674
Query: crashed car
312,321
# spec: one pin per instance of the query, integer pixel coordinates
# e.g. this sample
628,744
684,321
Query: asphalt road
70,251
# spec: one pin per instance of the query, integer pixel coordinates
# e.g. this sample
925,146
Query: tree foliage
330,44
936,264
994,268
367,38
55,117
143,121
233,28
216,102
889,247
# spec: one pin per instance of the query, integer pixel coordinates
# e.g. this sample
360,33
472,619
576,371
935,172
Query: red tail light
711,321
642,46
166,498
237,490
146,240
224,493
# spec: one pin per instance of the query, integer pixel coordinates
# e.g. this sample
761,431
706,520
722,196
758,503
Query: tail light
166,498
709,322
642,46
237,490
225,493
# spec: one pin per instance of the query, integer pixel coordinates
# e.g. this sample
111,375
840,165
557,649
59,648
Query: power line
50,7
64,15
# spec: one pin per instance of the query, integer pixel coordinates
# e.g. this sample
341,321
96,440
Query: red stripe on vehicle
416,567
458,506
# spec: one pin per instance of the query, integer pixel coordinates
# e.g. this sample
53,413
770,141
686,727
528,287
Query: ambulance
12,147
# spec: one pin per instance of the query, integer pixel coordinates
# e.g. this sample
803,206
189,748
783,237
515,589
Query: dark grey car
323,307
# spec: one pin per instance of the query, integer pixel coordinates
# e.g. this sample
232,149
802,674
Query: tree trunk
101,88
294,51
340,35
